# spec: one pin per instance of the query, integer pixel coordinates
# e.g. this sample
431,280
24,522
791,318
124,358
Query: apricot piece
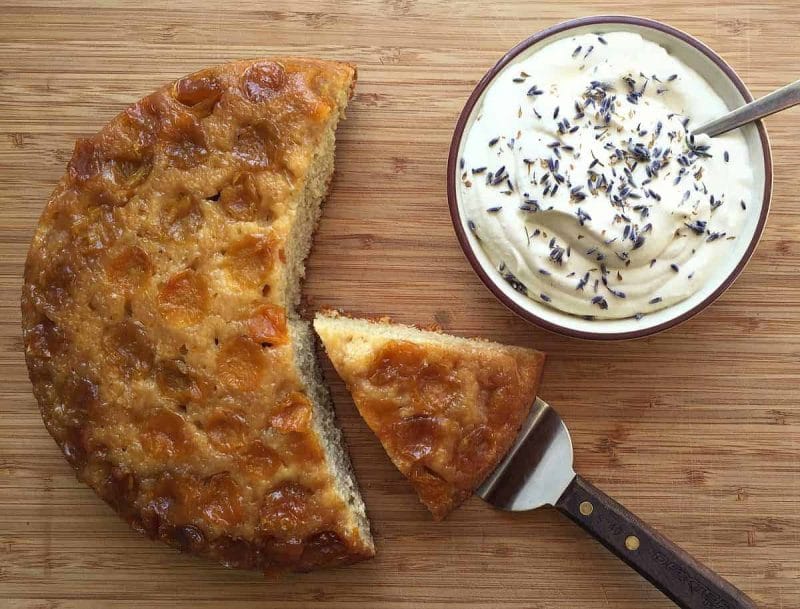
221,501
120,488
226,429
416,437
260,460
181,215
298,447
267,324
240,364
93,239
176,381
141,121
251,259
46,339
475,449
185,141
165,435
323,548
163,503
397,360
85,162
200,92
130,267
293,414
108,176
183,137
241,199
74,446
127,346
183,299
189,538
286,508
263,81
81,400
130,170
59,281
259,145
435,389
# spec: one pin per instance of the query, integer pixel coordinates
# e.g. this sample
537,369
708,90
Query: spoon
783,98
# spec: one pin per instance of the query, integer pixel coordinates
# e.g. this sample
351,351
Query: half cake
159,323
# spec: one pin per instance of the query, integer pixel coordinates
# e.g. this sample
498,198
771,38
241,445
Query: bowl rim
452,170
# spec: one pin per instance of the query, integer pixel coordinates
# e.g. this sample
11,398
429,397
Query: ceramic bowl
734,93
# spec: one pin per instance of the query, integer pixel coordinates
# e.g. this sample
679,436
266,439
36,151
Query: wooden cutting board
696,430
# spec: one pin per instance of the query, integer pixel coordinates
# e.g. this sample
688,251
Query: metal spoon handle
688,583
783,98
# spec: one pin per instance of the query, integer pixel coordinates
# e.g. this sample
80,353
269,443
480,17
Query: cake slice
446,409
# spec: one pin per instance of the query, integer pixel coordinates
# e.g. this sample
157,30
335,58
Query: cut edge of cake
309,212
386,328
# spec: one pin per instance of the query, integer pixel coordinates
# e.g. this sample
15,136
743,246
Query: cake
159,320
446,409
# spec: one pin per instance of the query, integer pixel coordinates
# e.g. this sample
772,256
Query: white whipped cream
581,181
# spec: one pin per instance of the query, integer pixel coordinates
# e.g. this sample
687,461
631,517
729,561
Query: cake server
538,471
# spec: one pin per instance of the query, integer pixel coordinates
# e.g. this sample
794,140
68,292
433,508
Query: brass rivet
586,508
632,543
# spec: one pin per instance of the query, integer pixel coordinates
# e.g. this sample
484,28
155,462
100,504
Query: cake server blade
538,471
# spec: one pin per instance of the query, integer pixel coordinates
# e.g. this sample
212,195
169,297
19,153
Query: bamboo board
696,430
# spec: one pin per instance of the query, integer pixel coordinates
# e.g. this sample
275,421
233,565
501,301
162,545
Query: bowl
725,82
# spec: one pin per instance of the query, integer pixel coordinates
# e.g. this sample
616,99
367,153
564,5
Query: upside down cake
446,409
159,323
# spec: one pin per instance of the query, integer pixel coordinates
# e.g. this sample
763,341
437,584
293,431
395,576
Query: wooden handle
684,580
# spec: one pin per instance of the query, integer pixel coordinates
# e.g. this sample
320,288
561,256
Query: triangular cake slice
446,409
159,318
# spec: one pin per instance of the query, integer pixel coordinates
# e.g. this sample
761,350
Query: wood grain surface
695,430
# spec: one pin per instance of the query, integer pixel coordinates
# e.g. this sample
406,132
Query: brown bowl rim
452,163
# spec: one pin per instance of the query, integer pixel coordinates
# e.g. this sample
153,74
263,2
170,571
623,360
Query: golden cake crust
445,409
154,317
